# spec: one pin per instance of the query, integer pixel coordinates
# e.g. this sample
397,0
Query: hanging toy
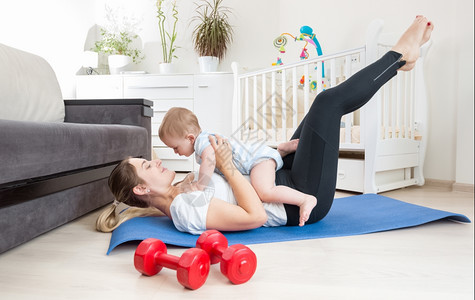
280,42
304,54
278,63
313,85
306,33
308,36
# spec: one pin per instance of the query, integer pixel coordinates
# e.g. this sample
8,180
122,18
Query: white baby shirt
245,156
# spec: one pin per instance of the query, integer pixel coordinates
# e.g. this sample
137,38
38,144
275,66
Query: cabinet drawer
159,86
173,161
156,141
350,175
160,107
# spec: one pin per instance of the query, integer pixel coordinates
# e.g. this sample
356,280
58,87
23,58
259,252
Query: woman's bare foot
427,33
408,45
287,147
306,208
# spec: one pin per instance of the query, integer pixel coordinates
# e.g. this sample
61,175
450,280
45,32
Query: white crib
382,145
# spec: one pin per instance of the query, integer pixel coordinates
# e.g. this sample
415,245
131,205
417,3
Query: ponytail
109,219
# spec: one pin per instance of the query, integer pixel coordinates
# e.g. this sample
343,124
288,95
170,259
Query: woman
311,169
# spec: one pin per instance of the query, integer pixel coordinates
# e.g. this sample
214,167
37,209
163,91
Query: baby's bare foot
287,147
306,208
408,45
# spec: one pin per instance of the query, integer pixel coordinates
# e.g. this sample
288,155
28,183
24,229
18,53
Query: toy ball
313,85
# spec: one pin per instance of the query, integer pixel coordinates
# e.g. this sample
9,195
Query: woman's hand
249,213
187,185
223,153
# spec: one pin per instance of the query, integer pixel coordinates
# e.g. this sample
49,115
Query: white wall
53,29
58,30
464,96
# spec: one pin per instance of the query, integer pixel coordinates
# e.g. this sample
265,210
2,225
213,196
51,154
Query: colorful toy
280,42
313,85
308,36
306,33
238,262
278,63
192,268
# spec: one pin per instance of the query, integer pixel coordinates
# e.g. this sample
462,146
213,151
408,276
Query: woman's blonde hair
122,181
178,122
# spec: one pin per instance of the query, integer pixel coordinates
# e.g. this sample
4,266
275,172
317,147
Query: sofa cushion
29,90
35,149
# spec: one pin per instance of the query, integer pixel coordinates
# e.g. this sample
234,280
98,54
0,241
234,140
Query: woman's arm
249,213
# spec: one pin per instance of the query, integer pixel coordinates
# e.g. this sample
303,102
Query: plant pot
166,68
119,63
208,64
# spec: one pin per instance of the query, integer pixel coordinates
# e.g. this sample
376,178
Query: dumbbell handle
217,251
166,260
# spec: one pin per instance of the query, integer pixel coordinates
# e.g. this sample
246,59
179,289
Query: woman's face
153,173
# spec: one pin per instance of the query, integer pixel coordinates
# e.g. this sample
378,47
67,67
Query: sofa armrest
137,112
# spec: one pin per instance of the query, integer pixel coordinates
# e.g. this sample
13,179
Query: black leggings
312,169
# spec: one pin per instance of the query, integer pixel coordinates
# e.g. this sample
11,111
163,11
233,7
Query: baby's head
179,130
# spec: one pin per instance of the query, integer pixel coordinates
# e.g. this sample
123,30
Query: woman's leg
313,167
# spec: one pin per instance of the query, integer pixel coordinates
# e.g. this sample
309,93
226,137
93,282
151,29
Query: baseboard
450,185
445,184
462,187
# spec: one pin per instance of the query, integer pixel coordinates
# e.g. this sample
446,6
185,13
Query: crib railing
269,104
398,105
391,128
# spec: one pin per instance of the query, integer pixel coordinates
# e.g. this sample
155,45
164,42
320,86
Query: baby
181,131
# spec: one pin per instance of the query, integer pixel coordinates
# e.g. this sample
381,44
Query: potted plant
213,34
118,47
117,41
164,9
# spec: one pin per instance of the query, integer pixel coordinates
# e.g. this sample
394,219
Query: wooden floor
432,261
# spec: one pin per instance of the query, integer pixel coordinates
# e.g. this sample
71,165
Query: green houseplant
117,40
164,8
118,43
213,34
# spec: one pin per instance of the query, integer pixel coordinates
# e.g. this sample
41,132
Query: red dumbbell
238,262
192,267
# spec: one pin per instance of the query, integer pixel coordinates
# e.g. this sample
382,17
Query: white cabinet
99,87
209,96
213,102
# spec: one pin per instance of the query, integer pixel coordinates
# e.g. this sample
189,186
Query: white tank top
189,210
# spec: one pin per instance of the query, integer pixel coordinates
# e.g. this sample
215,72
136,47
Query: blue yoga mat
348,216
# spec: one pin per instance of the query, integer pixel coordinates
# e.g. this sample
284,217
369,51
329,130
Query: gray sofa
55,154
